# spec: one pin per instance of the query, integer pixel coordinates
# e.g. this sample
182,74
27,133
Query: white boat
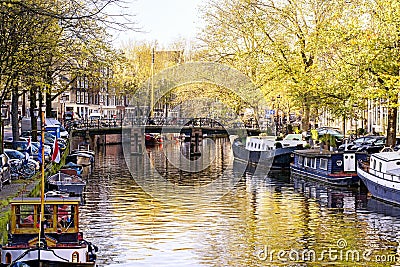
266,150
84,148
81,158
57,243
381,175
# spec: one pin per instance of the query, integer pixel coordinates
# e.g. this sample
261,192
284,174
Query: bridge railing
196,122
145,121
94,124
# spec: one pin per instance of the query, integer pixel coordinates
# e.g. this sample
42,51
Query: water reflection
258,215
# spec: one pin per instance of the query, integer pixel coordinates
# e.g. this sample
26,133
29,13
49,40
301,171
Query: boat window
398,163
75,256
259,146
306,162
323,164
380,166
374,164
65,216
24,215
8,258
313,163
300,160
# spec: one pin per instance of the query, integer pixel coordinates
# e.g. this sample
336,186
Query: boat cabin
60,223
385,162
265,143
327,162
259,143
57,243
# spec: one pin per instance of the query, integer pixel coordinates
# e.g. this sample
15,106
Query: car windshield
380,141
14,154
360,140
329,131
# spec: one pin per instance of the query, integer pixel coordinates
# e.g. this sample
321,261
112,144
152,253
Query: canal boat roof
316,153
387,156
48,200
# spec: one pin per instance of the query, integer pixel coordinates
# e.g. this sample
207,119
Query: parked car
18,156
5,173
331,131
369,143
373,145
355,144
47,151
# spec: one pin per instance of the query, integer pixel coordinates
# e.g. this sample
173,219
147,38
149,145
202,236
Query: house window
323,164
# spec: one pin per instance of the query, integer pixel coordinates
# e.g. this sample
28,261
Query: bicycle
24,169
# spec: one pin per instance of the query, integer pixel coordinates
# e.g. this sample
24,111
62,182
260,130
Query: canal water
217,212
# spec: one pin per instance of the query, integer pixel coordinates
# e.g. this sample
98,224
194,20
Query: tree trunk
391,127
305,121
32,100
14,113
48,104
1,135
344,126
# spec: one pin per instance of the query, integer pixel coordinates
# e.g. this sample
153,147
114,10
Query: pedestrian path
17,188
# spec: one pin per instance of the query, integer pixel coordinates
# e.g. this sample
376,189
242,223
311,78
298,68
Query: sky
162,20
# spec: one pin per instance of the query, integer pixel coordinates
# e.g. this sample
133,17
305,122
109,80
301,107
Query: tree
282,46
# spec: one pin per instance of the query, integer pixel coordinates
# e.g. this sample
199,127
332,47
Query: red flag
56,152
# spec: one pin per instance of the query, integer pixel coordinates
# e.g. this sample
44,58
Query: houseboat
267,151
381,176
331,167
57,243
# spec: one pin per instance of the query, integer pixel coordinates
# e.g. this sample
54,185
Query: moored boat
58,242
63,182
85,148
152,139
381,176
331,167
73,166
81,158
266,151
